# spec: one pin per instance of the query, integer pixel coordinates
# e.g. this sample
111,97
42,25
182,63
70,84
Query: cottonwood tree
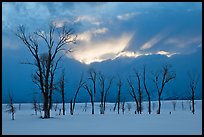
10,106
54,45
166,75
91,94
61,88
92,77
193,82
133,94
139,90
104,91
35,106
123,106
145,87
80,85
119,85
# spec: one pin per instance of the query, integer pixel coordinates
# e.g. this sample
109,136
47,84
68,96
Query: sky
107,31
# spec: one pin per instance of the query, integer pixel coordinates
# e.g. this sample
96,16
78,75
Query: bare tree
61,88
10,106
35,107
80,85
91,94
104,91
193,82
139,90
46,69
145,87
133,94
92,77
119,85
123,106
166,76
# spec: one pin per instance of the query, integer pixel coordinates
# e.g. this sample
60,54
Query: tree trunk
71,108
104,106
50,101
12,115
193,103
46,106
140,101
63,103
149,104
158,111
137,105
92,103
118,107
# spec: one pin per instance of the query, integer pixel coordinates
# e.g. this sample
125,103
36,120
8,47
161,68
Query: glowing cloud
129,54
168,54
90,52
87,35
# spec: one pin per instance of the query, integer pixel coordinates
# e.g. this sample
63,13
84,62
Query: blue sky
106,30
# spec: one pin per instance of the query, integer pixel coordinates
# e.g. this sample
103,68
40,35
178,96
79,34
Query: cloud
87,35
61,22
132,54
88,19
168,54
99,23
127,16
91,51
183,42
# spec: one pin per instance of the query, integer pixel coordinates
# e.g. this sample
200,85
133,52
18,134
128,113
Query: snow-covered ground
179,122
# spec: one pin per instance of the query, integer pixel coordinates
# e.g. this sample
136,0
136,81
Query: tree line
58,43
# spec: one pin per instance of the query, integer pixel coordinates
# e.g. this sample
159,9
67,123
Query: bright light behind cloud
87,35
90,52
152,42
168,54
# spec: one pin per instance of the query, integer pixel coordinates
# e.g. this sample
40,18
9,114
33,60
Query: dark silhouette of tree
61,88
119,85
47,65
145,87
35,106
104,91
139,90
133,94
91,94
193,82
166,76
123,106
92,77
80,85
10,106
